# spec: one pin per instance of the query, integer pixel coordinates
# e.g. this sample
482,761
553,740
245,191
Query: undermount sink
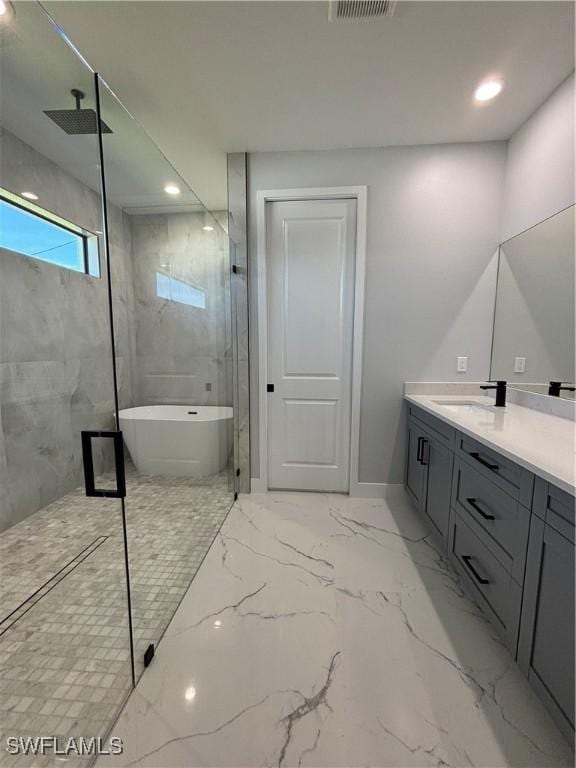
467,405
453,403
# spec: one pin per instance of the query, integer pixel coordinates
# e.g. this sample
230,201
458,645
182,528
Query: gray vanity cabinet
429,469
510,537
496,518
438,459
415,470
486,578
546,645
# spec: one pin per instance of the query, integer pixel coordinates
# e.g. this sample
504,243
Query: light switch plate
519,365
462,364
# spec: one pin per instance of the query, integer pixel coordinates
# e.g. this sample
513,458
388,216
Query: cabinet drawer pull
466,560
480,511
422,441
493,467
424,458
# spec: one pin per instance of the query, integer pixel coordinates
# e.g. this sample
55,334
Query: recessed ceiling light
172,189
28,195
488,89
190,693
208,228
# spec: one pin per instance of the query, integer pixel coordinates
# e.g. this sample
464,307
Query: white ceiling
206,78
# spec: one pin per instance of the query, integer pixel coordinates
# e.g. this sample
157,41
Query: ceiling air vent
353,10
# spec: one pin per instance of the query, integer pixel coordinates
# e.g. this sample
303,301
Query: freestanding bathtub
178,440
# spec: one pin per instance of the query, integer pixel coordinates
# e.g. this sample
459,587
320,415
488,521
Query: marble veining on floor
327,631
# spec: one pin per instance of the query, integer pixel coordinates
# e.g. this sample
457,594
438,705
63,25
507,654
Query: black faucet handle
555,387
496,384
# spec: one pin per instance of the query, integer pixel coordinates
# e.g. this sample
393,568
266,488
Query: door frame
360,194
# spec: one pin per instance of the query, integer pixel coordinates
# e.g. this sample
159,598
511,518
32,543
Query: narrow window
168,287
30,230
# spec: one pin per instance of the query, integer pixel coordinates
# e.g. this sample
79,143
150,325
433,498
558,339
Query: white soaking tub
178,440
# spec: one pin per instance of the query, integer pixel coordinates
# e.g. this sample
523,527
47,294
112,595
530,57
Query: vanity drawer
487,580
496,517
513,479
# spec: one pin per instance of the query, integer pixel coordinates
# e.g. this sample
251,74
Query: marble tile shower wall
55,363
183,352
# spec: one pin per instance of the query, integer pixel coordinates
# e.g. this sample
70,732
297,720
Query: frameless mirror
534,331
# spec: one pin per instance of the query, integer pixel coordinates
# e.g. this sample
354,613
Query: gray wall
540,164
181,349
539,183
433,231
55,353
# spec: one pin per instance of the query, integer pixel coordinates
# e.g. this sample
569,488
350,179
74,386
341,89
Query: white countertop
542,443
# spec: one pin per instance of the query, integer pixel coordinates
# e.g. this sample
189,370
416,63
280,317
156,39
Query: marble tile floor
64,664
327,631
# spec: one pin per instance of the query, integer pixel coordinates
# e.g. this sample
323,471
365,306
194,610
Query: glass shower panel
173,311
65,661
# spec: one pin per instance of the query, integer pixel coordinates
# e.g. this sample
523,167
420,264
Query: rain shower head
76,121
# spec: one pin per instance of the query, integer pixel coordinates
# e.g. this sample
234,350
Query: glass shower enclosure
117,355
175,384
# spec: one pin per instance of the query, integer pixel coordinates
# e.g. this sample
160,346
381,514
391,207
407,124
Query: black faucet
500,387
556,387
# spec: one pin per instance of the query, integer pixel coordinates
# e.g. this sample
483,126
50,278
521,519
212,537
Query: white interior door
311,255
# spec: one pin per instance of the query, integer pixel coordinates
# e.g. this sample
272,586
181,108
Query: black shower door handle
120,491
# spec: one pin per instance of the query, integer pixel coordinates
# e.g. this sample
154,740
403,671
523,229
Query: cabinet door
415,470
546,648
439,462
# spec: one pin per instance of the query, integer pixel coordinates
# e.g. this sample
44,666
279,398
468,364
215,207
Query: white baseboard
257,485
357,490
368,490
